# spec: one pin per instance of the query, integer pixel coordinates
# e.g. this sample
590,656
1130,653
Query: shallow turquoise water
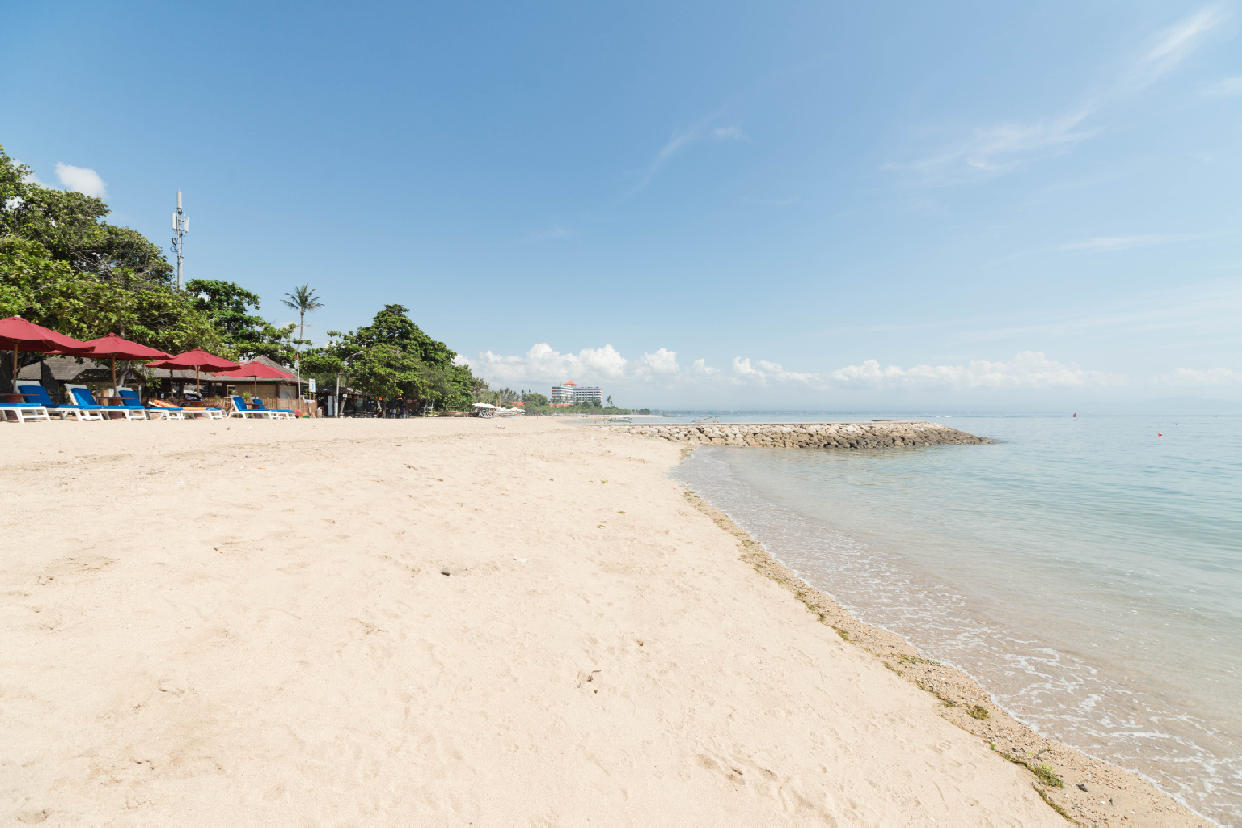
1087,571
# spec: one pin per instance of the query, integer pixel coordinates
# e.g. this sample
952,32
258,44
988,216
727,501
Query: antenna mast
180,226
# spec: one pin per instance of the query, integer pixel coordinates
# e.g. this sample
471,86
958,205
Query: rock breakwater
876,434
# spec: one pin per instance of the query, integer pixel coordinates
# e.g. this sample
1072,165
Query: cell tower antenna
180,226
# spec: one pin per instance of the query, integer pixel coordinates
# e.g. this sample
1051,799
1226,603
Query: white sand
188,633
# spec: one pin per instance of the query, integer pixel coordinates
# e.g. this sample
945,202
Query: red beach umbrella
22,335
117,348
257,370
196,359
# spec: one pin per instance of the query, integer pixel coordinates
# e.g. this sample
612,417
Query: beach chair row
39,406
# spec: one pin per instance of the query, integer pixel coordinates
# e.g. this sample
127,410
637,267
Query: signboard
310,385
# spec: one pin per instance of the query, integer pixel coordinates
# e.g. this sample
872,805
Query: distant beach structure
572,393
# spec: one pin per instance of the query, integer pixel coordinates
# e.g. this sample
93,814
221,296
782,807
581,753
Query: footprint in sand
73,565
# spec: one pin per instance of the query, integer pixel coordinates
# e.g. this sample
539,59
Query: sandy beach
448,620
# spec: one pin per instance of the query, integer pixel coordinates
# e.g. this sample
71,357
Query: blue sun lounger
82,395
240,409
277,413
35,393
24,411
256,404
257,407
130,399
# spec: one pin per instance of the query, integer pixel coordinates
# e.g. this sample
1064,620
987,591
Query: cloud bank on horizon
653,373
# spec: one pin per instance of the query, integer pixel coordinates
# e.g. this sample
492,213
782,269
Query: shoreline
1112,793
368,620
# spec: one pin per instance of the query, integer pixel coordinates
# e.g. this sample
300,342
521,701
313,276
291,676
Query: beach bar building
275,393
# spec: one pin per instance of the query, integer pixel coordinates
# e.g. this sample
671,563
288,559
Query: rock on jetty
875,434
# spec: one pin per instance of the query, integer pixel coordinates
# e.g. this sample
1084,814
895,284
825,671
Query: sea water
1087,571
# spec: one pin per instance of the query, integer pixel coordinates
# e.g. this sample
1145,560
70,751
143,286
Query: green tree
385,371
393,358
448,386
532,398
393,324
231,310
506,396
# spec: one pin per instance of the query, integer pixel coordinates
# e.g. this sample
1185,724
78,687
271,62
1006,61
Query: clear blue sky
828,204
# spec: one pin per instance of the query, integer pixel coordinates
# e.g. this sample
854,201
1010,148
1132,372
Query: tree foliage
86,305
232,311
392,358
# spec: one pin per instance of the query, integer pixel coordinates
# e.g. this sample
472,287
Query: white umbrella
484,405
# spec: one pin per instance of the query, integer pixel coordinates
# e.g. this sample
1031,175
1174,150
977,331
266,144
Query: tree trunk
301,336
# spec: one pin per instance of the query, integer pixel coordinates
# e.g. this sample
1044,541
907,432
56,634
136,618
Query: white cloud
761,371
545,363
1204,376
1178,41
1027,370
681,140
700,368
604,361
1002,147
1007,146
80,179
542,365
729,133
1111,244
662,362
1225,87
674,145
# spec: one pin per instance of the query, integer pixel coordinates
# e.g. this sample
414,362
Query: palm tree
303,300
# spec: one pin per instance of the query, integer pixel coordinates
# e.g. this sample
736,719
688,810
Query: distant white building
570,393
